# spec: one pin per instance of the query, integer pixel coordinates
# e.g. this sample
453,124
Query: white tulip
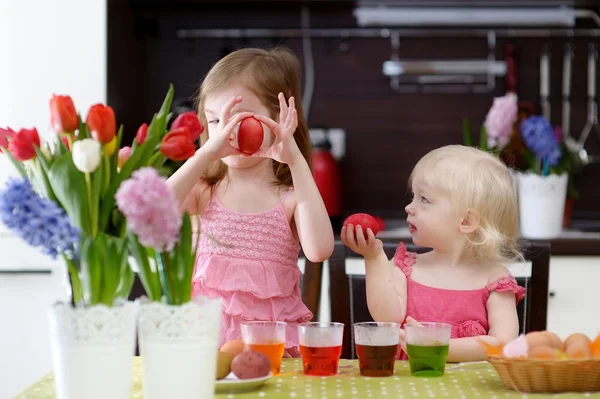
86,155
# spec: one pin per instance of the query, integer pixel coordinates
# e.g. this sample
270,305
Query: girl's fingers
283,108
235,120
227,107
271,124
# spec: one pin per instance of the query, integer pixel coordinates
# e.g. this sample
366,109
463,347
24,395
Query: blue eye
424,200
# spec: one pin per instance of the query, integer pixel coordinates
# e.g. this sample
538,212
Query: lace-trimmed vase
178,347
92,350
541,205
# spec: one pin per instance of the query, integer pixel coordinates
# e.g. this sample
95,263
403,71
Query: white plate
232,384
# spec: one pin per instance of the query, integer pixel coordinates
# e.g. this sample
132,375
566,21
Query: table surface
477,380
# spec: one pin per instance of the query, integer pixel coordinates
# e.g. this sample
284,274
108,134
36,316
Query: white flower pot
92,350
178,347
541,205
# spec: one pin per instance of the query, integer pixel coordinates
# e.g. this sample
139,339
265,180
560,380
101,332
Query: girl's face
250,103
433,220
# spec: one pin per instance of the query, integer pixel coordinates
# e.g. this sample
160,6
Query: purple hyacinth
39,221
539,137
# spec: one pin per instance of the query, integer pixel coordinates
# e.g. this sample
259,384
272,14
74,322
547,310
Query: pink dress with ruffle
465,310
250,260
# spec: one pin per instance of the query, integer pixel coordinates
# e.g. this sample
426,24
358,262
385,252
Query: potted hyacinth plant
64,203
539,159
178,335
543,180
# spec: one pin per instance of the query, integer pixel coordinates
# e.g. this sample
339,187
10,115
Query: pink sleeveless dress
250,260
465,310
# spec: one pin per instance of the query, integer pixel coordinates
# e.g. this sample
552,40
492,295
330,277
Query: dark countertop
572,242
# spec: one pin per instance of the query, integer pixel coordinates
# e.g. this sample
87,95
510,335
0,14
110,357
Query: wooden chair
349,301
310,286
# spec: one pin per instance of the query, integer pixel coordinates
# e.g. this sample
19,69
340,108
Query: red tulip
177,146
141,134
21,144
189,120
123,156
65,140
102,123
63,115
5,134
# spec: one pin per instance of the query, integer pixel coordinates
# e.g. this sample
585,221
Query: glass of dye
427,348
376,347
320,347
266,337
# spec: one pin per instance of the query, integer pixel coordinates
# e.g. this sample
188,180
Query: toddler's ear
469,222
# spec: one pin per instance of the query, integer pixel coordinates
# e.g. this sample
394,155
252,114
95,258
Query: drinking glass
427,348
267,337
376,347
320,347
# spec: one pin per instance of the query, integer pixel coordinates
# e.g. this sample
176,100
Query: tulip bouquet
159,238
65,200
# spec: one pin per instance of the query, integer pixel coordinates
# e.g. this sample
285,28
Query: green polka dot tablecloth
477,380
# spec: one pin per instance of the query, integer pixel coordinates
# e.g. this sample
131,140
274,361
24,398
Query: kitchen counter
571,242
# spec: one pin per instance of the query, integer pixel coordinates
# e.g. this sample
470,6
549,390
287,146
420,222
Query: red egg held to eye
250,135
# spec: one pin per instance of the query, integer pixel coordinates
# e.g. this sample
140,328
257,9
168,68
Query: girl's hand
403,340
220,137
284,148
411,322
354,239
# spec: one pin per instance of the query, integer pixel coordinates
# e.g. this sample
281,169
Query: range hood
464,16
508,13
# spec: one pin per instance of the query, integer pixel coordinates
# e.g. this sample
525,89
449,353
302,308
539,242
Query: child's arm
310,216
470,349
186,182
504,327
385,282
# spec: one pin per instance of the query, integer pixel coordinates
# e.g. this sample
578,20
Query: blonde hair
477,180
266,73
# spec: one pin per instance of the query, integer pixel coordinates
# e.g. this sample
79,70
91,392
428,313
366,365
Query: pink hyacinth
151,209
500,120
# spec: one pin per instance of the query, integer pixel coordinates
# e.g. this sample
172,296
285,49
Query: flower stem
76,291
157,160
93,221
105,173
163,264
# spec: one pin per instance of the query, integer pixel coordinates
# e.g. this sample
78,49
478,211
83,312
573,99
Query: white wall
56,46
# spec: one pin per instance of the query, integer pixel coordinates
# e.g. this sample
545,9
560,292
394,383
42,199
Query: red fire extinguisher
326,172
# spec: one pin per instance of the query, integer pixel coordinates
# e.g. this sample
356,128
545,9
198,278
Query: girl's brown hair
266,73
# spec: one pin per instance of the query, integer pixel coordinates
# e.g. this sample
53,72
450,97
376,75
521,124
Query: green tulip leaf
149,278
69,187
91,268
186,258
115,257
17,164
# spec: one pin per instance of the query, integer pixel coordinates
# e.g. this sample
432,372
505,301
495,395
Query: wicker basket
533,375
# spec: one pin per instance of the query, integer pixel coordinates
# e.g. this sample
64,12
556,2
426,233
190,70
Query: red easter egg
250,135
364,220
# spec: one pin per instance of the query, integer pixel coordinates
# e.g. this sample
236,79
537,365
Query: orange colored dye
595,347
492,350
273,351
